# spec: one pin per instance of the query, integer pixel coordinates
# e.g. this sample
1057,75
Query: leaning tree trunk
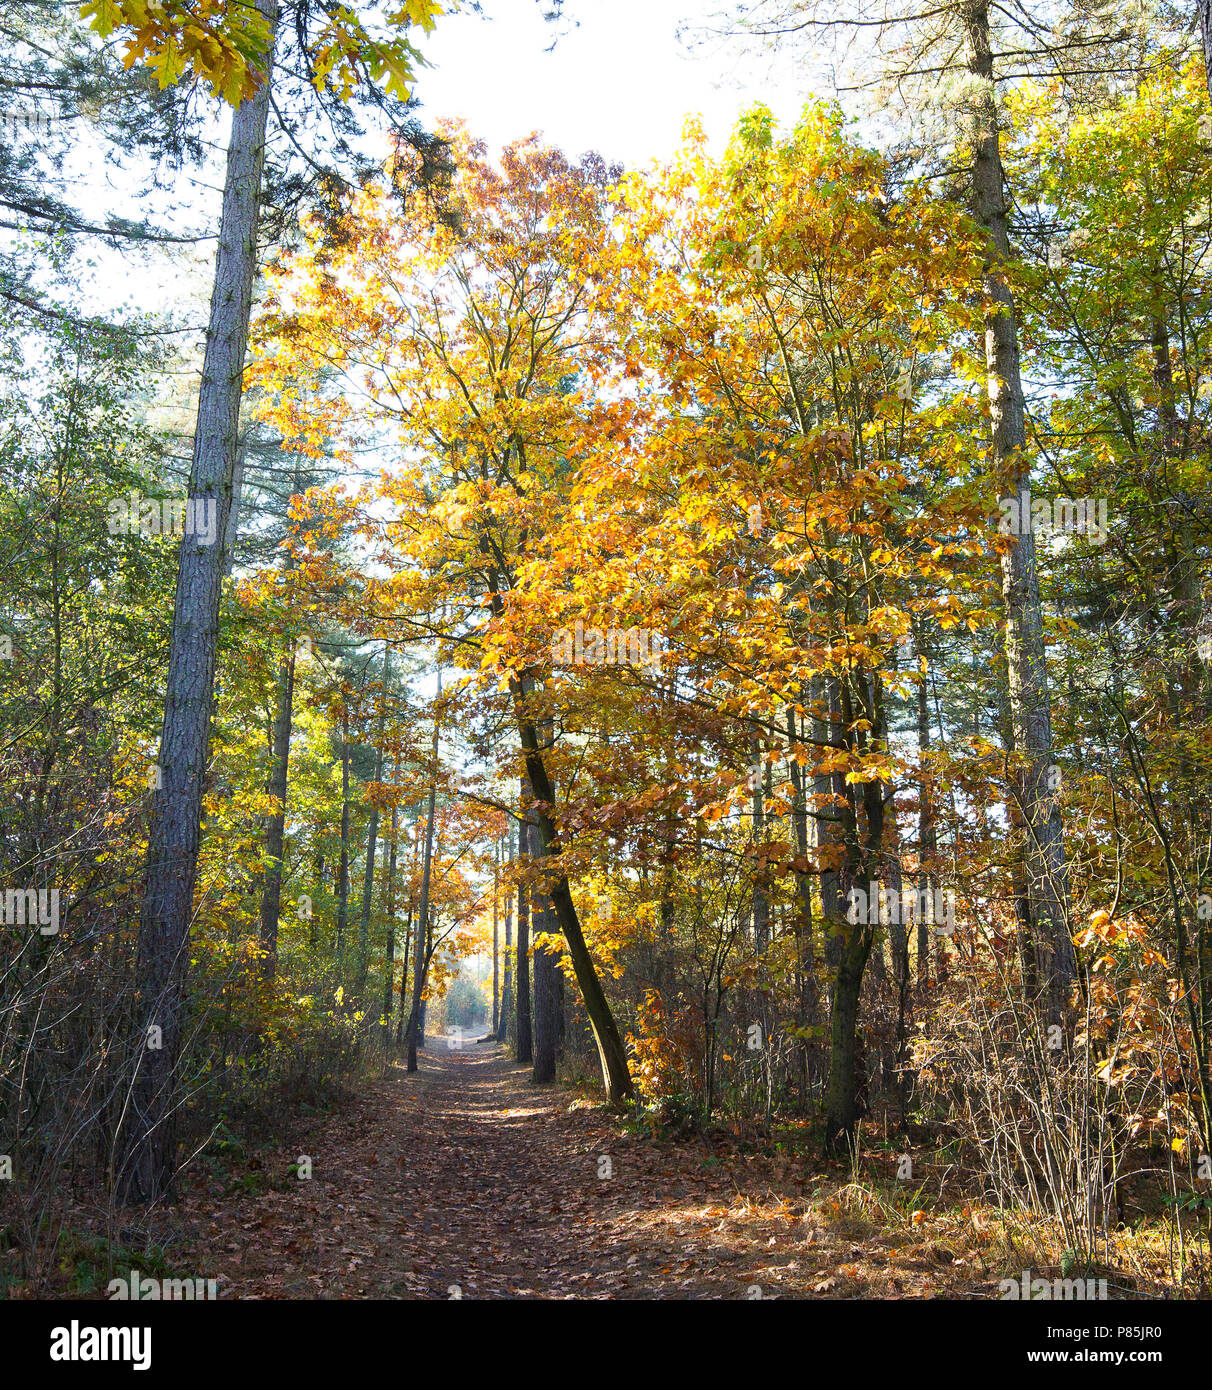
611,1053
1030,711
149,1146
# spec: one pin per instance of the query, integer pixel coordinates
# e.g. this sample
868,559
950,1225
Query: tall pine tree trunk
1030,711
149,1144
1205,34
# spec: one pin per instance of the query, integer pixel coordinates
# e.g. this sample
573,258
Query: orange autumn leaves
719,402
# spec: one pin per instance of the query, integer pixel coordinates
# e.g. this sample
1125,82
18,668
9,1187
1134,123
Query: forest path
464,1180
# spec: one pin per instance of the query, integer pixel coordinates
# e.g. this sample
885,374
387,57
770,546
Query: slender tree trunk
416,1023
547,977
804,962
898,937
313,931
368,884
826,837
523,1040
421,945
149,1145
546,997
1025,656
611,1053
926,837
343,863
389,908
271,893
233,516
760,901
546,989
1205,34
507,987
408,925
372,840
496,939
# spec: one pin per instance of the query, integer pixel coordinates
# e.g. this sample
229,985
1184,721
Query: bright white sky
621,83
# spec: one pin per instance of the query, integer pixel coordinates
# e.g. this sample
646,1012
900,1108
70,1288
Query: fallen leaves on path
465,1181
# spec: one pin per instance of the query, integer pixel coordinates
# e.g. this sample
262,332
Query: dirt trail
466,1181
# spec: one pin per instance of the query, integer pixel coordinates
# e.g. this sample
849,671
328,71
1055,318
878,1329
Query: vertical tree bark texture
496,939
402,1027
149,1147
232,530
372,840
546,997
1205,34
524,1042
368,886
612,1055
343,864
804,962
898,937
825,730
760,900
507,986
546,1000
1030,709
271,893
389,908
862,813
416,1023
926,836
